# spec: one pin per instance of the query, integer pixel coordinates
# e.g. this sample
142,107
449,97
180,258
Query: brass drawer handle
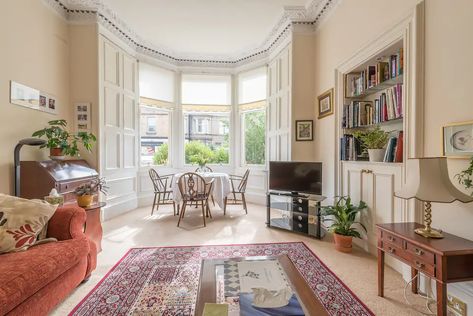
419,265
391,250
391,238
419,252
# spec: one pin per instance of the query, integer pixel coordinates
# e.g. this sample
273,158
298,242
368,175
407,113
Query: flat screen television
293,176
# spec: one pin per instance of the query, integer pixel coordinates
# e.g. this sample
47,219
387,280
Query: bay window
156,104
252,109
206,106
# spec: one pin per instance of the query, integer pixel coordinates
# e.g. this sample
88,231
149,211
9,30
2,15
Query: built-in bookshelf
374,97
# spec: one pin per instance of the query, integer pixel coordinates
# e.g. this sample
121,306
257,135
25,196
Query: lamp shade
428,180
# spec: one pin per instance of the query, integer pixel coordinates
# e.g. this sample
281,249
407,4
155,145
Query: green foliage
92,187
200,154
466,177
373,139
58,137
343,216
255,129
220,155
161,155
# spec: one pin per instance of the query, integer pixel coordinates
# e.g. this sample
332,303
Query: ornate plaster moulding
95,11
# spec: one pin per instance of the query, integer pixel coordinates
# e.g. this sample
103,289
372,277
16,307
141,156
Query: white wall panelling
118,80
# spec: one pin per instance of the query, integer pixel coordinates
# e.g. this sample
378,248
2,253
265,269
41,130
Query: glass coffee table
220,282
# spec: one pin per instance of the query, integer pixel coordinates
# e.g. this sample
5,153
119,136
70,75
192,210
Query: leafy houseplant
60,142
466,177
86,192
374,140
343,216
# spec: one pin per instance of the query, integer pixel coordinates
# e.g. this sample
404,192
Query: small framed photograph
82,116
304,130
24,95
458,140
325,103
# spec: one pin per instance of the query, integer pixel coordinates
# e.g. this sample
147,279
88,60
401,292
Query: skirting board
113,210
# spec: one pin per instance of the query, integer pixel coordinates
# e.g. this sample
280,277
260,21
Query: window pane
154,131
206,138
255,137
205,89
156,83
252,86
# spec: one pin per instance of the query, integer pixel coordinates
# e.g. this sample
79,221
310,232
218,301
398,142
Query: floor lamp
16,158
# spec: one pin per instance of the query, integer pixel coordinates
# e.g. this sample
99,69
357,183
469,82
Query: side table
93,225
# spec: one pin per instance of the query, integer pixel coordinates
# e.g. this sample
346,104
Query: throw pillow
21,221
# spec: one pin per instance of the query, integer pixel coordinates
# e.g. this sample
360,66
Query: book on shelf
373,75
388,106
394,149
351,149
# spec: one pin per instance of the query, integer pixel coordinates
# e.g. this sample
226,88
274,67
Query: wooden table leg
380,273
441,299
415,280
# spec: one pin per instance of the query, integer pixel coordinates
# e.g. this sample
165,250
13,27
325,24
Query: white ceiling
202,27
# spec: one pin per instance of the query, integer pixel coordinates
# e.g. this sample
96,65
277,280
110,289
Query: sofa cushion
24,273
21,221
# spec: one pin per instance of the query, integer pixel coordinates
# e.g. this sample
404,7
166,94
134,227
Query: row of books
351,148
394,148
373,75
387,107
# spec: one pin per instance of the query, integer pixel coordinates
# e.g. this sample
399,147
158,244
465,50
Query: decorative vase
56,153
376,155
85,200
343,243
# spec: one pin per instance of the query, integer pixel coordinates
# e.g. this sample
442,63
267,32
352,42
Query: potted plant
343,216
62,143
465,177
374,140
86,192
200,160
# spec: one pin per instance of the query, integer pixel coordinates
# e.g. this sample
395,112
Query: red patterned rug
164,280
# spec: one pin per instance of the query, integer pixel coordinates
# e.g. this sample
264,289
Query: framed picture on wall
24,95
82,116
325,103
458,139
304,130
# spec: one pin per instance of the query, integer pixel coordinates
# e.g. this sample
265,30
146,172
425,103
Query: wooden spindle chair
194,189
205,169
238,188
162,190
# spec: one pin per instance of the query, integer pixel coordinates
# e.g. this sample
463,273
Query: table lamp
428,181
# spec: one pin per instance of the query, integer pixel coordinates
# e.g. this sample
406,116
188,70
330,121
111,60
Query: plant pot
376,155
56,153
85,200
343,243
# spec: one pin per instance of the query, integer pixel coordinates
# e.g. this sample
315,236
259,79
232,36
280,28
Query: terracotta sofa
32,282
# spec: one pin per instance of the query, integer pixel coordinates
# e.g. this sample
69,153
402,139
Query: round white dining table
220,189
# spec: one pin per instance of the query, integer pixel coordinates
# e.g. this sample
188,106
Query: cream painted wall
35,52
303,106
84,85
449,65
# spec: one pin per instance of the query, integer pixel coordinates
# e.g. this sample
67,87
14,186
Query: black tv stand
295,212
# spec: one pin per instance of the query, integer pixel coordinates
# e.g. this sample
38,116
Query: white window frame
243,140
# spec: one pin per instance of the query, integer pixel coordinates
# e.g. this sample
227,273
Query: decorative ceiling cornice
80,11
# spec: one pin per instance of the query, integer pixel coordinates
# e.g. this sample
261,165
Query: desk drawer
392,239
420,253
393,249
422,266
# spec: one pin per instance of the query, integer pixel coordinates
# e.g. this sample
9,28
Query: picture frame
457,140
24,96
82,116
325,103
304,130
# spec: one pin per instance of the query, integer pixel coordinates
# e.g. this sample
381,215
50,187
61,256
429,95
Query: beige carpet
137,228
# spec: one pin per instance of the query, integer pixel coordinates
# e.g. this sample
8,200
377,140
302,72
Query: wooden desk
446,260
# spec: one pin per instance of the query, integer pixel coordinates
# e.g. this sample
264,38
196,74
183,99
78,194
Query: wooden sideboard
445,260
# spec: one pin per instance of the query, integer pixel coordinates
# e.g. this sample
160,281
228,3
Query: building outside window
206,109
252,109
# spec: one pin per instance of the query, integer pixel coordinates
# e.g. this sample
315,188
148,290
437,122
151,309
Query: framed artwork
458,139
24,95
50,103
304,130
325,103
82,116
